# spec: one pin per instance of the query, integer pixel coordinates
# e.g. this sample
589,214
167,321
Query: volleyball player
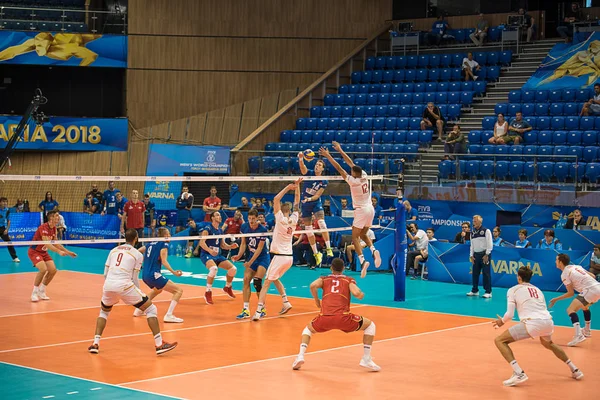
210,255
256,264
576,278
363,206
155,257
335,313
311,205
536,321
40,258
121,272
281,246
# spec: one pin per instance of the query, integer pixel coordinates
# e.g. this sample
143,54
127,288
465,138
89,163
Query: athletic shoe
208,298
164,347
42,295
35,296
369,364
229,291
329,252
472,294
286,307
318,259
577,374
138,313
95,350
363,268
16,259
172,318
244,314
586,332
259,314
515,379
188,254
298,362
576,340
377,258
487,296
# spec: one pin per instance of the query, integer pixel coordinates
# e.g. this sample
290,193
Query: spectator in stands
454,143
430,235
411,213
481,31
109,200
500,131
211,204
575,221
419,237
22,205
432,117
96,194
565,30
470,66
91,205
263,221
343,207
327,208
549,241
245,207
48,204
350,248
133,214
595,262
592,106
464,236
61,227
184,205
496,239
522,243
438,30
378,211
5,227
258,206
529,24
149,217
194,230
518,127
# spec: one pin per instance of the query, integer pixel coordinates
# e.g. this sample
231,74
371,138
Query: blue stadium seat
404,111
514,96
527,96
285,136
582,95
545,150
529,170
410,75
529,152
505,56
501,169
545,171
445,74
379,63
445,169
571,109
301,123
466,98
493,58
412,61
423,61
589,138
254,165
399,62
474,149
587,123
576,151
574,138
560,152
577,171
334,112
359,111
400,136
528,109
307,136
416,110
515,150
311,124
486,169
441,98
381,111
488,150
356,77
434,60
318,136
559,137
415,123
355,123
402,123
315,112
493,73
343,136
396,88
479,87
457,59
345,99
544,137
367,123
388,76
418,98
376,76
445,60
325,112
474,137
488,122
569,95
561,171
364,137
571,123
472,169
592,172
513,109
430,97
502,150
360,99
486,135
456,74
425,137
555,96
412,136
515,169
530,137
541,109
453,111
544,123
541,96
556,109
454,97
431,87
466,86
387,137
590,154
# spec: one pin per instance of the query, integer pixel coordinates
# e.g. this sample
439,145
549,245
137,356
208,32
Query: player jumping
335,313
363,206
121,273
536,321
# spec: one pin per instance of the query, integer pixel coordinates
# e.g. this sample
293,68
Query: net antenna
31,113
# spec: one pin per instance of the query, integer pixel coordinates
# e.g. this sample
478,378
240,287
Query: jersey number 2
533,293
335,286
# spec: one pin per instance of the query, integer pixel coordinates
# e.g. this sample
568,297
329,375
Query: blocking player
281,246
536,321
256,264
335,313
576,278
40,258
212,258
155,257
363,206
311,205
121,272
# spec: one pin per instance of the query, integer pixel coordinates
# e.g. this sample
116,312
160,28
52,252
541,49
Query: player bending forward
122,283
362,203
536,321
335,313
281,246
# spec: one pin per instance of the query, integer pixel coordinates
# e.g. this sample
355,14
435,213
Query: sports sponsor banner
23,225
64,49
170,159
68,134
87,227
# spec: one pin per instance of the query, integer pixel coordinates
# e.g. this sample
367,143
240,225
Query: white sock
36,289
42,287
209,287
284,298
372,248
367,350
227,284
588,325
515,366
571,365
172,307
303,348
260,307
328,244
97,339
314,248
158,340
246,305
361,259
577,327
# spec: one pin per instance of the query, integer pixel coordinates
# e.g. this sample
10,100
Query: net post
400,245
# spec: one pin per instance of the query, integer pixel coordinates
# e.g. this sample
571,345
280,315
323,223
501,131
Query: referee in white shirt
480,256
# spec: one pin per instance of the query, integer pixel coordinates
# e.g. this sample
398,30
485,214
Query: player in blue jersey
109,199
257,262
212,258
155,257
312,205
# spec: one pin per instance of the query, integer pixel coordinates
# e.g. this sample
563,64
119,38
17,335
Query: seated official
577,220
464,236
523,243
549,241
496,239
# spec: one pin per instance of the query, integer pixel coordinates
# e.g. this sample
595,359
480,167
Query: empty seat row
297,138
437,60
421,75
462,35
378,151
552,96
531,152
278,165
453,86
555,123
43,26
42,15
521,170
545,137
539,109
372,99
391,123
449,111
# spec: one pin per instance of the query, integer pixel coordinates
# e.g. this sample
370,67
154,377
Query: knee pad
152,311
257,284
105,307
322,224
307,332
103,314
310,234
232,271
370,331
212,271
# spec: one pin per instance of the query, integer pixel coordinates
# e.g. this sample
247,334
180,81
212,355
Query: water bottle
178,251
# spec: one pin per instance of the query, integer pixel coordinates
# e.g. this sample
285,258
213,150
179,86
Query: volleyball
308,154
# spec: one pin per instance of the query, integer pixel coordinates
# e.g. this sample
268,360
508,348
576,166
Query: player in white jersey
281,246
362,204
122,283
575,277
536,321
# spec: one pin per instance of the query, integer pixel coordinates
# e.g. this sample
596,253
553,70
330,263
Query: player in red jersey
41,259
335,313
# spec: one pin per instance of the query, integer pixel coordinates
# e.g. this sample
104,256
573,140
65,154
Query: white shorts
363,217
279,266
532,328
591,295
130,296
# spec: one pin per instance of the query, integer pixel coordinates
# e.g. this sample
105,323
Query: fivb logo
211,156
511,267
425,212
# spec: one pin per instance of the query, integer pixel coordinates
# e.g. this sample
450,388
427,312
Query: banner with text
24,225
171,159
95,226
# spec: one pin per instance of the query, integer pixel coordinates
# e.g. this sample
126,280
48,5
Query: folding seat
370,63
326,123
576,151
376,136
400,136
445,74
441,98
415,123
546,151
387,137
513,109
474,137
311,123
393,110
429,97
501,151
528,96
271,147
569,95
488,122
472,169
505,56
411,151
493,73
364,137
408,87
479,87
475,149
374,88
571,123
530,137
544,123
387,148
404,111
493,58
466,98
501,169
583,95
343,123
589,138
544,137
560,152
410,75
254,165
364,88
434,60
431,87
486,135
335,112
453,97
315,112
402,123
399,76
378,123
356,77
359,112
571,109
555,96
412,61
416,110
285,136
480,57
442,87
592,172
296,136
456,74
381,111
396,88
529,152
324,113
400,62
352,89
445,169
387,76
347,111
345,136
390,123
434,75
418,98
528,109
360,99
541,96
445,60
425,137
380,166
328,136
412,136
466,86
317,136
406,98
515,169
590,154
486,169
542,109
515,150
379,63
586,123
372,99
545,171
422,74
574,138
556,109
488,150
376,76
577,171
454,87
561,171
423,61
514,96
395,98
559,137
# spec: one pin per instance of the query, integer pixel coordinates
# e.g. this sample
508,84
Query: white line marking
165,331
89,380
294,287
47,397
97,388
312,352
72,392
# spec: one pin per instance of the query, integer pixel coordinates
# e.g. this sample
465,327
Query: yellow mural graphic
585,62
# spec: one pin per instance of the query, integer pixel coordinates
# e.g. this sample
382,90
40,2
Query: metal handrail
77,10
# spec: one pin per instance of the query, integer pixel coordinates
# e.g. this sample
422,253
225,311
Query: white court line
312,352
90,380
168,330
72,392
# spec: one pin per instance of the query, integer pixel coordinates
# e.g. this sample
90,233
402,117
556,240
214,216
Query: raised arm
325,153
337,147
279,196
303,169
297,194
